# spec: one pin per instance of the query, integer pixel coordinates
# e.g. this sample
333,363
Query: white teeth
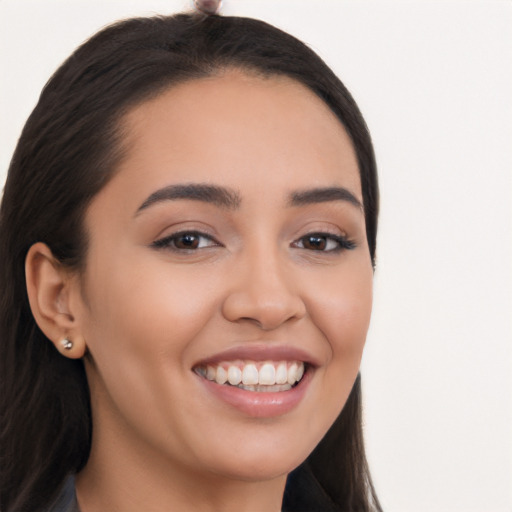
282,374
221,376
210,372
271,376
250,375
234,375
292,373
267,374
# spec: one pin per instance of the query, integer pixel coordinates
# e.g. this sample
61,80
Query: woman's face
230,244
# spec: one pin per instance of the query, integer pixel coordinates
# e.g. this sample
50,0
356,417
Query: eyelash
169,242
342,242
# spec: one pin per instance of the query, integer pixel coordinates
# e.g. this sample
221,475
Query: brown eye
186,241
315,243
323,242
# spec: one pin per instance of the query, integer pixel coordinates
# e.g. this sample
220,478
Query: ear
50,288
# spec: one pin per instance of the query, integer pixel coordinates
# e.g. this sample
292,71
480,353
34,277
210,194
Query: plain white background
434,81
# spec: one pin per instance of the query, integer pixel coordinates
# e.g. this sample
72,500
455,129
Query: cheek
148,304
142,324
342,310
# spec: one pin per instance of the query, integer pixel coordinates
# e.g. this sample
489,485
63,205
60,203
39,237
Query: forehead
228,128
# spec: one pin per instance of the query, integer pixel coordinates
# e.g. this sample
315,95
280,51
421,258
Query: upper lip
261,352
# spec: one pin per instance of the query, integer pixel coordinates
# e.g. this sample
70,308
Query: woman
188,237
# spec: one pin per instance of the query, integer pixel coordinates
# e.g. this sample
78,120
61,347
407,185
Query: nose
264,293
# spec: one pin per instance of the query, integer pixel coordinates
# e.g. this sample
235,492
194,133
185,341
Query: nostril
266,315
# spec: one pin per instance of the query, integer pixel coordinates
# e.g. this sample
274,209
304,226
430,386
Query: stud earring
67,344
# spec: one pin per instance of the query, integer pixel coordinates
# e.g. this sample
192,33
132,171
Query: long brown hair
70,147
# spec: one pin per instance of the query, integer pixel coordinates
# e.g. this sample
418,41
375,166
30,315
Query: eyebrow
219,196
227,198
323,195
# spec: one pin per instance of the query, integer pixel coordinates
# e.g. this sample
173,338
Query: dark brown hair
70,147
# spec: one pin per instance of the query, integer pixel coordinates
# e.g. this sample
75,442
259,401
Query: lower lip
259,404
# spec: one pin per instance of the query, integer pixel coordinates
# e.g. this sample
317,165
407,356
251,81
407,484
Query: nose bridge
267,275
264,291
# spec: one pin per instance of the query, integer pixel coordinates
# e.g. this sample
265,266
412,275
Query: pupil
189,241
316,242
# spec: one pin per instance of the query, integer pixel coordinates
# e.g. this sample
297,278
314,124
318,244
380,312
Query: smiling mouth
265,376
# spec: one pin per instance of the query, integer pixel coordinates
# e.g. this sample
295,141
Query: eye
323,242
186,241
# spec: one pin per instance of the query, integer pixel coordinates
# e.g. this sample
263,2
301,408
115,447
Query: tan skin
262,272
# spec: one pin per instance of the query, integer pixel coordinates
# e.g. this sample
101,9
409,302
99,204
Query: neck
97,493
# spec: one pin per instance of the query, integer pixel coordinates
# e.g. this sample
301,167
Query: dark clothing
66,500
302,494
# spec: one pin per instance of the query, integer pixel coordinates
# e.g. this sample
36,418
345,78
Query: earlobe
73,348
49,288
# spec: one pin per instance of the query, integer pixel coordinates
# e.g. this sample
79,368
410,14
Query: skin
144,316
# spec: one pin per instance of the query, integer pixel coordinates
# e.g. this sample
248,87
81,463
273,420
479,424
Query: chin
258,464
